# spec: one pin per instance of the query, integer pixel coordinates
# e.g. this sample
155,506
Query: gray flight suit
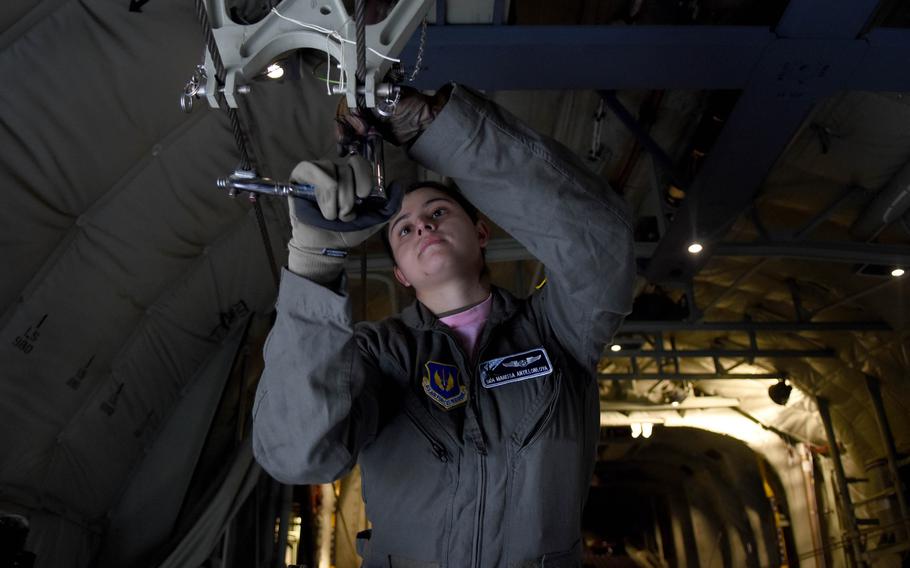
501,478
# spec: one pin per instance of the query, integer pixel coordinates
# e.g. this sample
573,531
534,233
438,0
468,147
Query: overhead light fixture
616,347
675,195
695,248
636,429
646,429
897,272
674,403
780,392
275,71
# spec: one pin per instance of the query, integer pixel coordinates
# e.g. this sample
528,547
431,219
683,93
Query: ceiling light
897,272
636,429
275,71
780,392
675,194
616,347
646,429
695,248
675,403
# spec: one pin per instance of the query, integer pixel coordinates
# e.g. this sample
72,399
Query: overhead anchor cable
240,138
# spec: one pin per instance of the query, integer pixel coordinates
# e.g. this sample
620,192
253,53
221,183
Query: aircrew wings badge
515,367
442,385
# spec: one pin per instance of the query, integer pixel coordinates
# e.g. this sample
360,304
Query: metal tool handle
247,181
374,209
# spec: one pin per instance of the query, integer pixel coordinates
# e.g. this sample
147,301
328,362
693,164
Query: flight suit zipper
479,446
481,451
481,502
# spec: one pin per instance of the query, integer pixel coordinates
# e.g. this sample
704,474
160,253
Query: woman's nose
426,224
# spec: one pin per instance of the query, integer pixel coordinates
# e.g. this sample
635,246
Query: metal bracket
247,50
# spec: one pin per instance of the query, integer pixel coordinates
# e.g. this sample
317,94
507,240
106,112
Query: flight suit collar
419,317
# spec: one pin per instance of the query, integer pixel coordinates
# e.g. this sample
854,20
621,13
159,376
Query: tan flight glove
319,254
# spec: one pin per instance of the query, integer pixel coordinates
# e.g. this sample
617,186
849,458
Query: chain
423,42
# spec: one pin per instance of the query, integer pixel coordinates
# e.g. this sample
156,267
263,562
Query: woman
474,415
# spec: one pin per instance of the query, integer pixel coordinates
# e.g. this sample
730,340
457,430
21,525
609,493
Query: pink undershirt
467,324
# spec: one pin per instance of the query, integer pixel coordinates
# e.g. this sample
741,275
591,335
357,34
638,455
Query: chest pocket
539,413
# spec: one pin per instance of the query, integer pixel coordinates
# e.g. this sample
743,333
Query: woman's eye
439,213
404,231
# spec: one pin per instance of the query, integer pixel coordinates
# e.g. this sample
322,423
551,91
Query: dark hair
449,190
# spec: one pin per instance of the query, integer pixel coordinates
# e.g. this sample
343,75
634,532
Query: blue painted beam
440,13
815,51
886,63
792,76
633,57
848,252
589,57
644,138
794,73
825,19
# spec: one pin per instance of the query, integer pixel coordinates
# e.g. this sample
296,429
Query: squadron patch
442,385
516,367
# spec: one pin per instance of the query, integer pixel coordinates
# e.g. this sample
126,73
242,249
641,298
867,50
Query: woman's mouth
426,243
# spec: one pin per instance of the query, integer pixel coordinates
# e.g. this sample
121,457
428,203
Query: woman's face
434,240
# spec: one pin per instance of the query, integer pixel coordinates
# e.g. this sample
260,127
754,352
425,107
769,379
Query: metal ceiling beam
825,19
560,57
630,326
815,56
507,250
884,66
498,58
687,376
813,53
690,403
644,138
848,252
725,353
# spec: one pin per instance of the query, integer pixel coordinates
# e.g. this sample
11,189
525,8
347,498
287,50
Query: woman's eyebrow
400,217
427,202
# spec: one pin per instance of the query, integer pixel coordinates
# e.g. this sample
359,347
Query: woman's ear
483,233
399,275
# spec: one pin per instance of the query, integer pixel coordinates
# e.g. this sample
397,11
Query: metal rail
840,476
726,353
771,327
687,376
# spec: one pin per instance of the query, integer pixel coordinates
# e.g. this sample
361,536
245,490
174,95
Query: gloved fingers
327,197
322,175
313,172
363,176
344,195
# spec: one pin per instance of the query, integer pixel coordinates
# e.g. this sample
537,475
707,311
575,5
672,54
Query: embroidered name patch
442,385
516,367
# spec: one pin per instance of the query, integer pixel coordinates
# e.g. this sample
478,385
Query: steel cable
361,73
240,139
